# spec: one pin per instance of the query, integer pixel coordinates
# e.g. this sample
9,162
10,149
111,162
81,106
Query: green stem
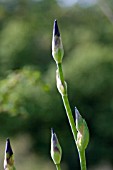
59,66
67,105
58,167
82,160
70,117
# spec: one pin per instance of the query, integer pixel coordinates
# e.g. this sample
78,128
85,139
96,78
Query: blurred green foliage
29,102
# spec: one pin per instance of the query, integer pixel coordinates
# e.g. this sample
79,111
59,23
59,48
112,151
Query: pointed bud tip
7,140
8,147
52,131
7,144
55,20
77,114
56,29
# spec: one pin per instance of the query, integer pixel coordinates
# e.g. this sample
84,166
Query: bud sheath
62,87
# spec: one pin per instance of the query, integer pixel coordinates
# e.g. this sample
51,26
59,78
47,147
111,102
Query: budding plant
79,127
9,157
56,151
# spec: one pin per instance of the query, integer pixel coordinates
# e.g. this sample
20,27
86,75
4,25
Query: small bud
62,88
57,47
56,151
8,159
83,132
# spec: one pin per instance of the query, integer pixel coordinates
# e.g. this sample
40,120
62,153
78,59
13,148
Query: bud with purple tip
8,159
83,132
57,47
56,151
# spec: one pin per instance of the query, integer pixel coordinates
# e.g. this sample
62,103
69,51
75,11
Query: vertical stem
70,117
71,120
58,167
66,104
59,66
82,160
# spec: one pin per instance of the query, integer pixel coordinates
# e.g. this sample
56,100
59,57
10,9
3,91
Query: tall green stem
70,118
82,160
69,115
67,105
58,167
59,66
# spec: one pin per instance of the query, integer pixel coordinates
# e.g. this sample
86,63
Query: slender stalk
59,66
58,167
70,117
67,105
82,160
71,120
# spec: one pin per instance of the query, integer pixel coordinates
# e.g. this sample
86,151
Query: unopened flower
57,47
8,159
83,132
56,151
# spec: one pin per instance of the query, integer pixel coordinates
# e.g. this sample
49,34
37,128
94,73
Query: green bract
62,88
83,132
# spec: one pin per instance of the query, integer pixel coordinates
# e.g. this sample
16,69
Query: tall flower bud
83,132
56,151
8,159
57,47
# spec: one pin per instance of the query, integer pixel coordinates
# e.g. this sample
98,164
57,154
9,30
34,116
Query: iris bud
56,151
8,159
57,47
82,131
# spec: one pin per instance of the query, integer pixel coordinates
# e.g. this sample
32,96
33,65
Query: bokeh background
29,102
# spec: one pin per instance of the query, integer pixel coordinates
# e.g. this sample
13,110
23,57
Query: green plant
80,130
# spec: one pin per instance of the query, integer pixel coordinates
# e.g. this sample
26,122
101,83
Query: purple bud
57,47
56,151
8,158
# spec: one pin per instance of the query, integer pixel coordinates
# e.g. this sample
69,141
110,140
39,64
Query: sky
67,3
